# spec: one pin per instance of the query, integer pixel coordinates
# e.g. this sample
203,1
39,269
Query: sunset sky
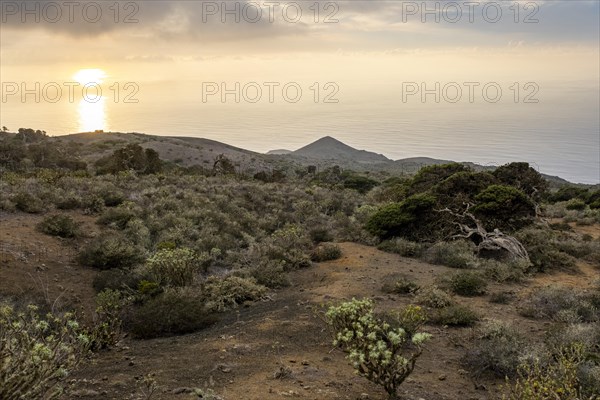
368,49
174,40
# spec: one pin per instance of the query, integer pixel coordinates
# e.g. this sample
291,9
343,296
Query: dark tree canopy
132,157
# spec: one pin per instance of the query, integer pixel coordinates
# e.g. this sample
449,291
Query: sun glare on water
86,76
91,109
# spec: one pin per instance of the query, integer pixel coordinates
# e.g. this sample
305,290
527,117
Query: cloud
215,27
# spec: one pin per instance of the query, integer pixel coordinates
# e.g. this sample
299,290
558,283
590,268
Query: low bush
502,297
111,251
456,254
455,315
559,303
400,285
543,251
401,246
513,271
558,380
384,354
575,204
222,294
497,349
319,235
116,217
326,252
177,267
434,297
271,274
174,312
28,203
116,279
38,353
468,283
59,225
561,336
106,330
588,377
70,202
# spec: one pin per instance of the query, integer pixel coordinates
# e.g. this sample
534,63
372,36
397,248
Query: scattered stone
442,377
364,396
305,362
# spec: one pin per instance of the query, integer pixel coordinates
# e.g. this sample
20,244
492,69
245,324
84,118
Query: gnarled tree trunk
495,244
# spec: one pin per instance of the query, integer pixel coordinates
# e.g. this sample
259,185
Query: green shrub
434,297
59,225
116,279
401,246
468,283
504,207
543,251
512,271
498,348
177,267
523,177
116,217
384,354
174,312
408,219
106,330
562,336
503,297
400,285
361,184
319,235
28,203
555,302
69,202
230,292
271,274
455,315
111,251
556,381
326,252
566,193
37,354
588,377
575,204
431,175
456,254
92,204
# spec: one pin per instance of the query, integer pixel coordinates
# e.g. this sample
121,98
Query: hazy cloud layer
559,21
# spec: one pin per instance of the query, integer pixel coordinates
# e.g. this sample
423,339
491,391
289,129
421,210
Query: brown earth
239,356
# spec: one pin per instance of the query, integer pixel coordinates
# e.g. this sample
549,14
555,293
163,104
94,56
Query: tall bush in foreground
558,381
37,354
384,352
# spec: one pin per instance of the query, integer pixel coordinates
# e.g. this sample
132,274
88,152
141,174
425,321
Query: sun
85,76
